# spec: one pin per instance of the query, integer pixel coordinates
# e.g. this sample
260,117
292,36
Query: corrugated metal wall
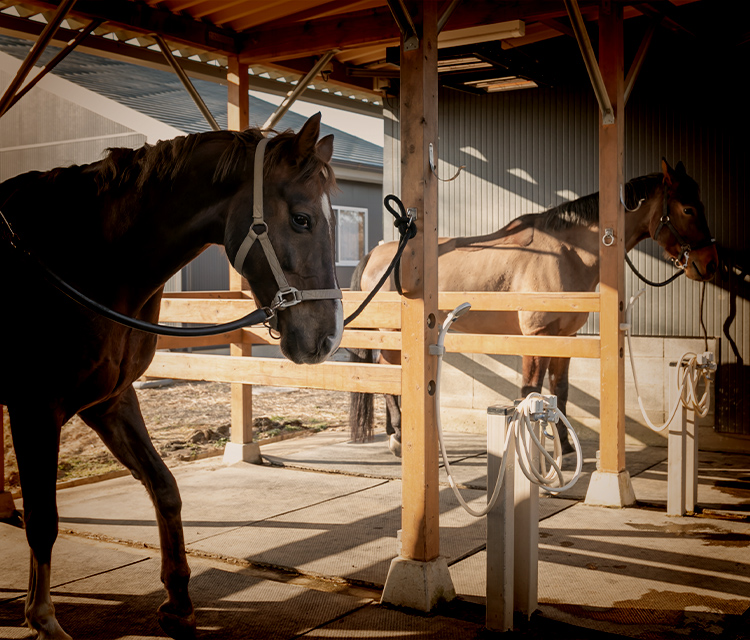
526,151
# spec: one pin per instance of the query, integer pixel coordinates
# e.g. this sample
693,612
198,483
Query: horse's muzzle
703,263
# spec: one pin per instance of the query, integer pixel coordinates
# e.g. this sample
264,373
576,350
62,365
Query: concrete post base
6,504
236,452
610,489
418,585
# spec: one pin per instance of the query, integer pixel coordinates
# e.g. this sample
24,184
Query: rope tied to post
407,229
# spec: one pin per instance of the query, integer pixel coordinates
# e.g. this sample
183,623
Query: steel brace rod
36,51
589,59
295,93
189,87
640,56
62,54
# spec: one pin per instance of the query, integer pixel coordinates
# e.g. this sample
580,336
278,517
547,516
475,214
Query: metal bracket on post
589,59
405,24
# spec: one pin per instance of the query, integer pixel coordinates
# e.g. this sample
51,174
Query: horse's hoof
176,626
394,444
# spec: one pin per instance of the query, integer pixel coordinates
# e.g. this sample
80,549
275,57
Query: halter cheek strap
286,296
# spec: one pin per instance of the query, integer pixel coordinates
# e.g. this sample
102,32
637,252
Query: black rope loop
407,230
402,221
649,282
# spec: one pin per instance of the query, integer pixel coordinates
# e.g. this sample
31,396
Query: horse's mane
585,211
167,159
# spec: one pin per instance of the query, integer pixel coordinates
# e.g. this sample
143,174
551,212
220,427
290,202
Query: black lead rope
407,229
649,282
258,316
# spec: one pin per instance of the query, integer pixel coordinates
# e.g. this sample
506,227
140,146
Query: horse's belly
55,350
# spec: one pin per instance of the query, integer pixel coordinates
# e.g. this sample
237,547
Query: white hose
524,432
689,374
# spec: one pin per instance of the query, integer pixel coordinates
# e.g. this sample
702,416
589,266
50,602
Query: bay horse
557,250
117,230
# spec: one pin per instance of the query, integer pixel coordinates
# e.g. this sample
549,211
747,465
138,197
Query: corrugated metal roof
160,95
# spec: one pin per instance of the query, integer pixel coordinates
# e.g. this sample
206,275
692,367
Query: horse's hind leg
392,406
534,370
120,425
558,384
393,423
36,440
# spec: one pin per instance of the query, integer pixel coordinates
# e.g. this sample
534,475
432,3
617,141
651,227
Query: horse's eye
689,211
301,221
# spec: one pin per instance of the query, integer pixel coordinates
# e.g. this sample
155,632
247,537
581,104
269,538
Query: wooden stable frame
418,114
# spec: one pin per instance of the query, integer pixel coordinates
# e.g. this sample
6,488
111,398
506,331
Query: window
351,235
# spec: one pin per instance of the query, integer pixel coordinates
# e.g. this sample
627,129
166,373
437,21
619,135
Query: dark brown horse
557,250
117,230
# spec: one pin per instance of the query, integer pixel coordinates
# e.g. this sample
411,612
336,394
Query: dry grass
191,418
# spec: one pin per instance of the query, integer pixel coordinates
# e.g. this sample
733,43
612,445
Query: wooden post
419,578
6,500
610,484
240,446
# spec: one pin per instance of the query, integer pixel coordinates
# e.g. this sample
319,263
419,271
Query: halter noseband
286,296
685,247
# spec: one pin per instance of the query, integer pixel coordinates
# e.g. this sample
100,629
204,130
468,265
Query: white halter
286,296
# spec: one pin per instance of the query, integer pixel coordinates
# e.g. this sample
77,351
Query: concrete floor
300,548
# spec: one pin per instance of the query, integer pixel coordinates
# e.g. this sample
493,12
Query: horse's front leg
36,439
120,424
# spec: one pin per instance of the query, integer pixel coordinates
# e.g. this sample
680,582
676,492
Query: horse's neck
638,222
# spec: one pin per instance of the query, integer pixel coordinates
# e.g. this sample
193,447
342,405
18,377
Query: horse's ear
680,169
304,142
667,171
324,148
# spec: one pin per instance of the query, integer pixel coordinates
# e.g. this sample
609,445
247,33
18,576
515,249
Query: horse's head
680,226
298,221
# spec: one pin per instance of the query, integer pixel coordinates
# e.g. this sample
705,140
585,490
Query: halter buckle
286,297
684,252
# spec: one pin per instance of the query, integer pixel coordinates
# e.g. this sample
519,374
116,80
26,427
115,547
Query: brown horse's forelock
165,160
585,211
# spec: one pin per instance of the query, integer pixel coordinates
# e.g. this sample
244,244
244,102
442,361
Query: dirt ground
191,419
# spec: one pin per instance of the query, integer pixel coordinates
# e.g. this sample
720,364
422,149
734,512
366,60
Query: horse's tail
361,405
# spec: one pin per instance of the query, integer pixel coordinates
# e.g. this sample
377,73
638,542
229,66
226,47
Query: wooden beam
418,114
554,346
376,26
612,258
278,372
241,433
139,17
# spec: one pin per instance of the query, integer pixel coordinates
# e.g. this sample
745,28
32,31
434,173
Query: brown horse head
297,180
680,227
